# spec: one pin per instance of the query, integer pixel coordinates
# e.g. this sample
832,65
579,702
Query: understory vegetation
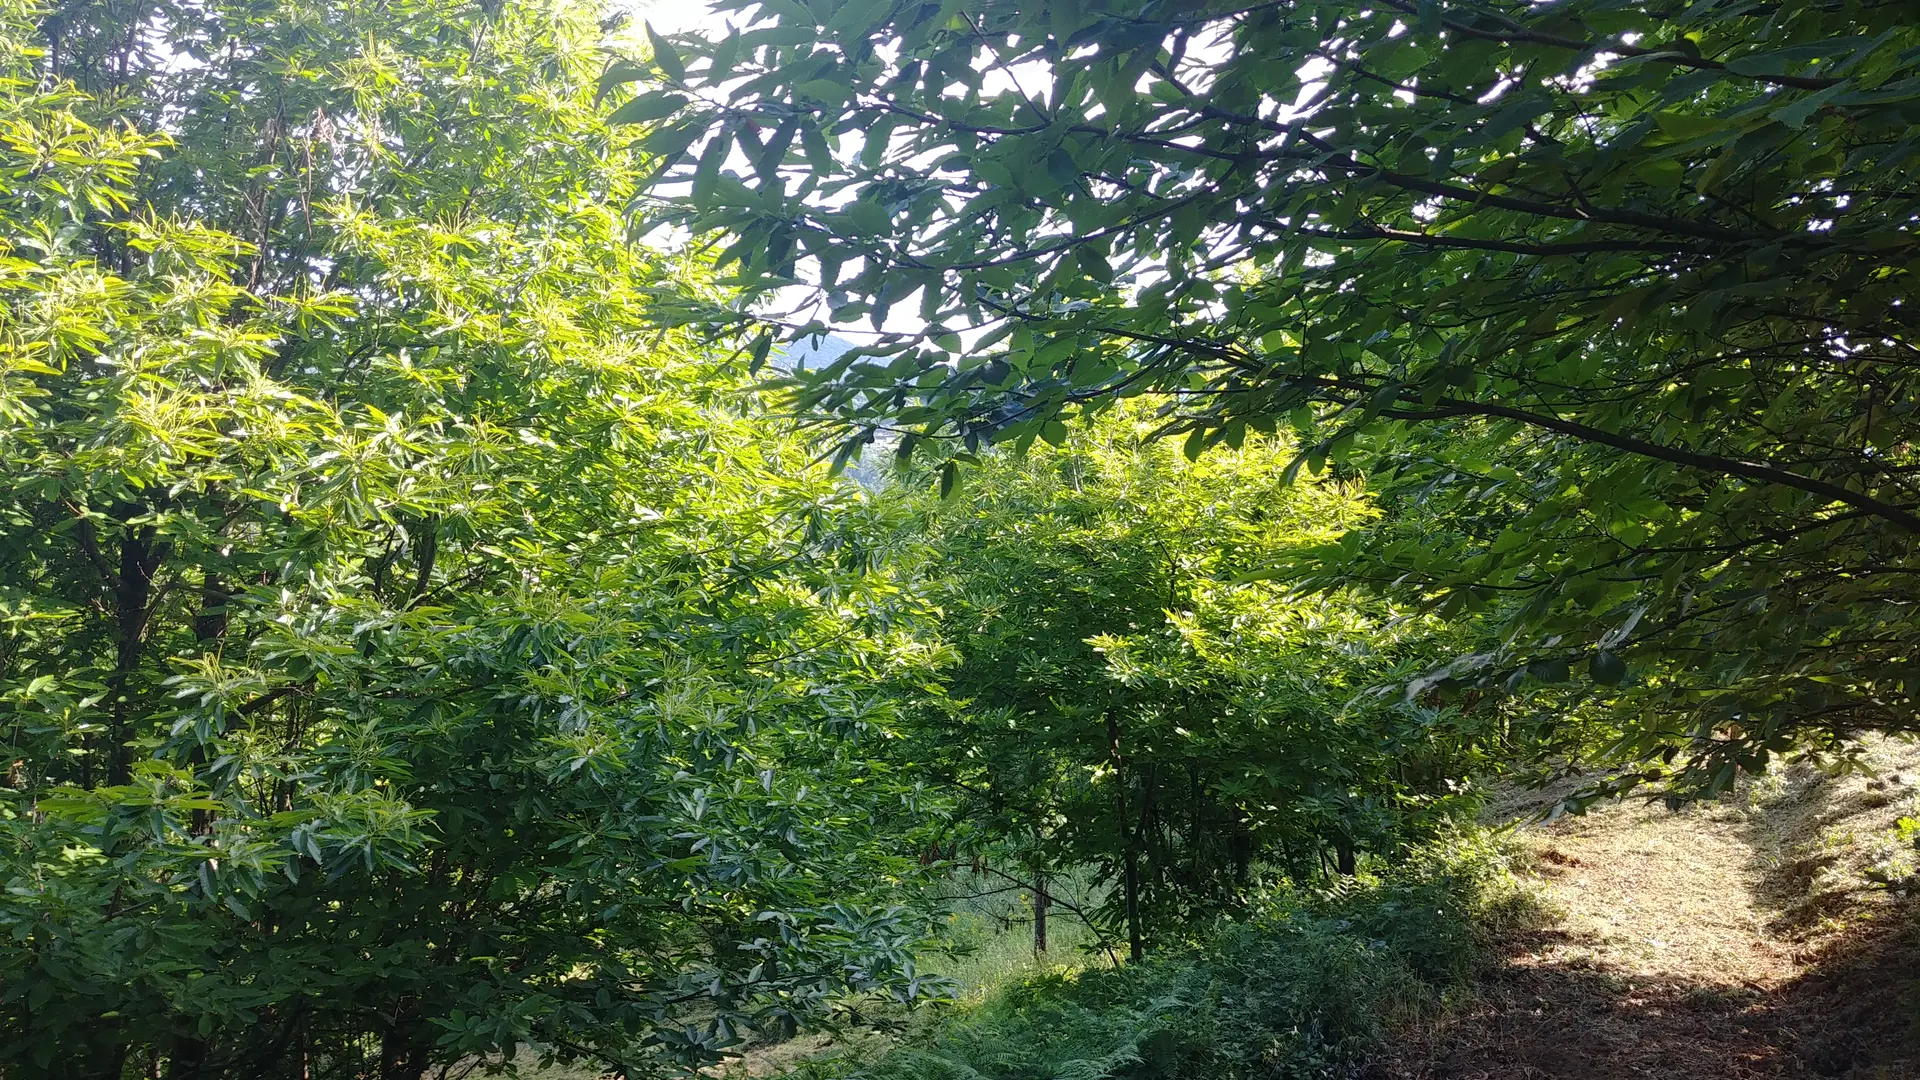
915,538
1306,985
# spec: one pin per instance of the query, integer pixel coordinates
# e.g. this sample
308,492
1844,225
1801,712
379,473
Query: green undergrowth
988,939
1305,989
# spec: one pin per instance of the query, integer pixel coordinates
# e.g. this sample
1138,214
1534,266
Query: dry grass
1656,894
1741,940
1822,840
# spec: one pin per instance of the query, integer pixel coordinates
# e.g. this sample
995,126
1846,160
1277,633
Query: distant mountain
810,352
872,468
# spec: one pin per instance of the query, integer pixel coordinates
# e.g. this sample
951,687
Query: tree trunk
209,626
188,1058
133,592
400,1059
1041,902
403,1054
1129,858
1131,882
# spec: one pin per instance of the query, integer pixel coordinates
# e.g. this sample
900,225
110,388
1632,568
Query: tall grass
1303,990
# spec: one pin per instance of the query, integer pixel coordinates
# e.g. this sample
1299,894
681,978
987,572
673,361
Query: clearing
1742,940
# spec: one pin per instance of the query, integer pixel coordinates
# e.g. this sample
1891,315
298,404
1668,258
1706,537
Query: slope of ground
1745,940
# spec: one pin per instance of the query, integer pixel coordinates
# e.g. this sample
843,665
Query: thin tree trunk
188,1058
1129,859
1041,902
209,626
133,592
1131,872
402,1057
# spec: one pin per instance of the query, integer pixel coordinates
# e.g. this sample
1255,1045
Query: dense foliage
426,648
1119,700
406,653
1620,292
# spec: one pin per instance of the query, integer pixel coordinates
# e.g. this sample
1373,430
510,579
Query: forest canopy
1617,295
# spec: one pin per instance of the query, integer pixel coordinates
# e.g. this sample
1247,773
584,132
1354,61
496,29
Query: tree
1623,291
405,653
1119,699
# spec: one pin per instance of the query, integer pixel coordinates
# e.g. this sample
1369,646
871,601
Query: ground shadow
1811,842
1853,1014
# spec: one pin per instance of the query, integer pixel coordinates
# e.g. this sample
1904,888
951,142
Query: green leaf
1061,168
869,217
665,57
618,73
1662,172
706,174
826,90
1550,671
819,154
648,107
1796,114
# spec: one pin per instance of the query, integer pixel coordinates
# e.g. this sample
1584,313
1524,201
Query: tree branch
1518,33
1752,470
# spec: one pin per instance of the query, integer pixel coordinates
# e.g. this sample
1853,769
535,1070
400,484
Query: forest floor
1740,940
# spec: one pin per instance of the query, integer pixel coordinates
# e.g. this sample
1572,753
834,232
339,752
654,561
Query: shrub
1304,989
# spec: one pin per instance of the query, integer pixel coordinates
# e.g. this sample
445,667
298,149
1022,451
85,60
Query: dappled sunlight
1672,954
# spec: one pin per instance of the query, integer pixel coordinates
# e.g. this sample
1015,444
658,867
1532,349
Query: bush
1305,989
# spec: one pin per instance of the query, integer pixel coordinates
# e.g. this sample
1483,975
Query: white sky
677,16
